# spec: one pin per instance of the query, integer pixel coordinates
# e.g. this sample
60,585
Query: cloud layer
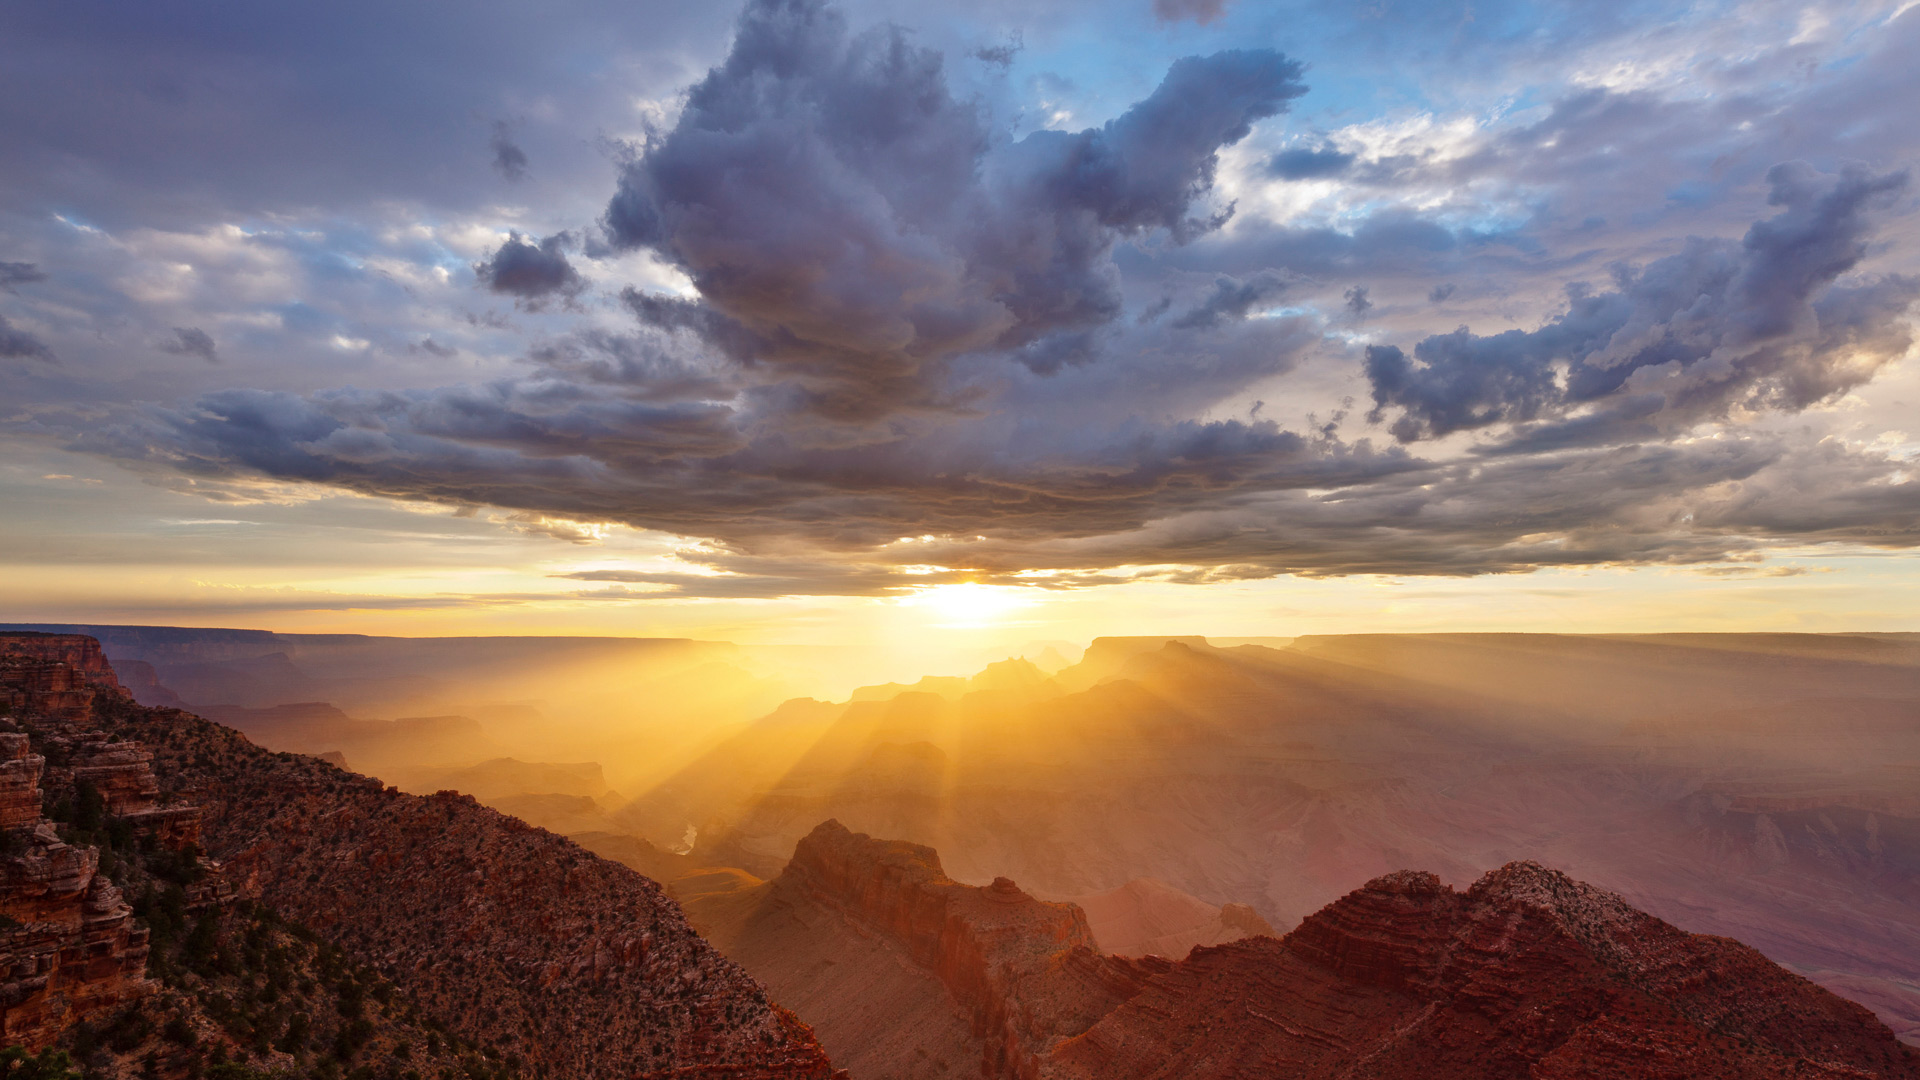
858,312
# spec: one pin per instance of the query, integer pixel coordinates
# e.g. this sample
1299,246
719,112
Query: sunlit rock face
53,677
1526,974
508,936
927,976
69,950
1757,786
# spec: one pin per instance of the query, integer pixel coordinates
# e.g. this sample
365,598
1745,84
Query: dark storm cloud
190,341
531,272
1762,324
13,274
1439,293
1356,301
829,196
20,345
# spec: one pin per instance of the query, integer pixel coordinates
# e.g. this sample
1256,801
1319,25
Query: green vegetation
17,1064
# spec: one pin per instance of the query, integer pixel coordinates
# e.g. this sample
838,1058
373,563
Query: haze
1157,482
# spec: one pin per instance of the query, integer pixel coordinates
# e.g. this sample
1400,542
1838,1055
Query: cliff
1026,970
906,972
51,677
531,955
1526,974
78,653
69,948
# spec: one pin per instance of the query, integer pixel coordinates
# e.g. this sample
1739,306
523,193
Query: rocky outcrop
52,677
69,948
78,652
517,942
52,692
1526,974
1024,973
513,937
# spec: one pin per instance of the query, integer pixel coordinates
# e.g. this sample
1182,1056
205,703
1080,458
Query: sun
973,604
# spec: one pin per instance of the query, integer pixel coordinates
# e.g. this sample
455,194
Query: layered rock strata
517,941
1526,974
1021,973
77,652
69,948
514,938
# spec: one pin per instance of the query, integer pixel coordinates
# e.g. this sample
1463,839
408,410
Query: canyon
1527,973
538,957
1212,845
1755,786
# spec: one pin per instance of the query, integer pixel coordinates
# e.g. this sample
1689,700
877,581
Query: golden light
972,604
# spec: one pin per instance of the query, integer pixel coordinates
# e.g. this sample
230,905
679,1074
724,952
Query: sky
970,323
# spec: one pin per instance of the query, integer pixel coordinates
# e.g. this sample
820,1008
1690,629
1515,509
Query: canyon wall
1526,974
513,939
69,948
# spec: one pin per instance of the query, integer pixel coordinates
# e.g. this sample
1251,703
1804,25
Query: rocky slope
907,973
1526,974
1283,778
69,946
547,959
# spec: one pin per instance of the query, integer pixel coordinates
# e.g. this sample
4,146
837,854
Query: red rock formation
1526,974
122,772
51,692
513,937
1025,970
19,781
77,651
69,948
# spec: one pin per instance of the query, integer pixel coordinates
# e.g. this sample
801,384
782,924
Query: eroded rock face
53,692
512,936
69,949
77,652
1026,971
1526,974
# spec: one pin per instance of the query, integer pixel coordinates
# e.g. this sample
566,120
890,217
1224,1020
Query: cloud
573,532
508,159
1200,11
532,273
14,274
875,303
1231,299
190,341
1301,163
20,345
856,224
1762,324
